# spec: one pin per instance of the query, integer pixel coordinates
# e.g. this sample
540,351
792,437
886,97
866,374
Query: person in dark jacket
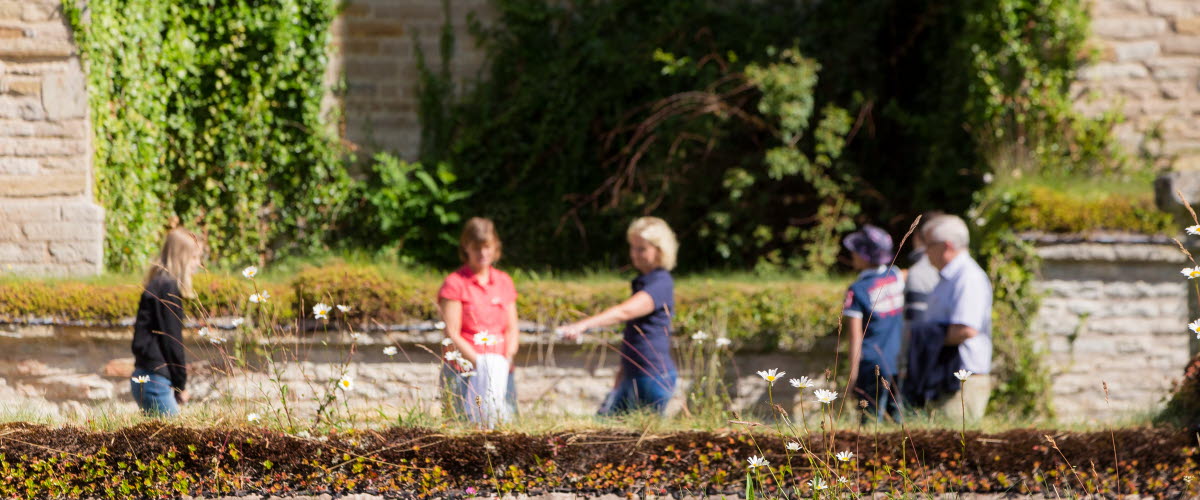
159,383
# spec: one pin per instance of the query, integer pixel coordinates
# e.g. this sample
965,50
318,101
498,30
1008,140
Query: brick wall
1149,69
49,223
373,55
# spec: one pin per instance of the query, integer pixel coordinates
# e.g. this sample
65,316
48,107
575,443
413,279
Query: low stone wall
1113,312
57,371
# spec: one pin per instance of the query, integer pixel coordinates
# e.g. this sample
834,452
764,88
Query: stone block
64,95
24,186
18,166
1181,44
10,10
34,12
11,231
22,107
1112,71
83,211
62,231
1188,26
76,387
1134,51
1174,8
30,48
22,252
1174,68
118,368
42,146
24,87
1105,7
1177,90
1129,27
374,29
68,252
34,210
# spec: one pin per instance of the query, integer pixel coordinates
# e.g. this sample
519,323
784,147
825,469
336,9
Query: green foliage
211,111
785,315
1022,378
408,207
595,112
1043,209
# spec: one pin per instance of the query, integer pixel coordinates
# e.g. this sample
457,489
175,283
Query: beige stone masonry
49,221
373,54
1150,70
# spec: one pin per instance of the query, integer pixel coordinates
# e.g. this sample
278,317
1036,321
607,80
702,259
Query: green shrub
1043,209
771,315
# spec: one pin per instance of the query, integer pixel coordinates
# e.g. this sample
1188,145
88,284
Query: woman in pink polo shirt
479,306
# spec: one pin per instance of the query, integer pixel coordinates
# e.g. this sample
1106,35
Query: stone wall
1150,70
373,56
1114,312
49,223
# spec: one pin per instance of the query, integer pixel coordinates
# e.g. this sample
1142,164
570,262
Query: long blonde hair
179,248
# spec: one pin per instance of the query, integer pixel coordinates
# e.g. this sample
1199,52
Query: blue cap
872,243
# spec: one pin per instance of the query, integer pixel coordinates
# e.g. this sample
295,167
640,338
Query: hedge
769,315
1044,209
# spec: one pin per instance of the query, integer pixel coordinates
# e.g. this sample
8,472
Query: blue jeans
156,398
879,400
642,391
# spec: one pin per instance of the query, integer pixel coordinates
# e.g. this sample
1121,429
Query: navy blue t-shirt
877,296
646,349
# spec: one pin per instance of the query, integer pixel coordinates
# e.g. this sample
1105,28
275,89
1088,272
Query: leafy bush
211,111
594,112
405,207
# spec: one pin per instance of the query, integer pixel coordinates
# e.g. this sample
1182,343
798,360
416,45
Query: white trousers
486,389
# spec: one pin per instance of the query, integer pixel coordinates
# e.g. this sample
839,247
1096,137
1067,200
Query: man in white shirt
962,300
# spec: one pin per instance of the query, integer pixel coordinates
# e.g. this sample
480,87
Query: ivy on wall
210,110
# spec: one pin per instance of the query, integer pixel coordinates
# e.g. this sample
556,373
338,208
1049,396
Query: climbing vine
210,110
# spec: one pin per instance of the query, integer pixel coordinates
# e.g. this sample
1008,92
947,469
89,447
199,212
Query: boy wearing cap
873,318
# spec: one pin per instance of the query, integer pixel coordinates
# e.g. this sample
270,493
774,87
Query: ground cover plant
39,462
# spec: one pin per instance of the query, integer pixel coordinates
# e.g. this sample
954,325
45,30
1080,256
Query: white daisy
454,356
1193,230
250,272
1191,272
756,462
723,342
238,322
962,374
771,375
321,310
346,383
439,325
1194,326
485,338
699,336
793,446
141,379
203,332
845,456
390,350
818,484
344,309
825,396
253,417
802,383
446,341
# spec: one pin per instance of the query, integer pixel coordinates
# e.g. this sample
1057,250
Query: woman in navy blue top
648,375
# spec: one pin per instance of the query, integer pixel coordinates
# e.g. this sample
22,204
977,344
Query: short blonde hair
658,233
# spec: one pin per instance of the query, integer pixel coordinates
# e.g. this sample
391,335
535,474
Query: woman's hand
181,397
572,331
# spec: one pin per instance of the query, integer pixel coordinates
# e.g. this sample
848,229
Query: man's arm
957,334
